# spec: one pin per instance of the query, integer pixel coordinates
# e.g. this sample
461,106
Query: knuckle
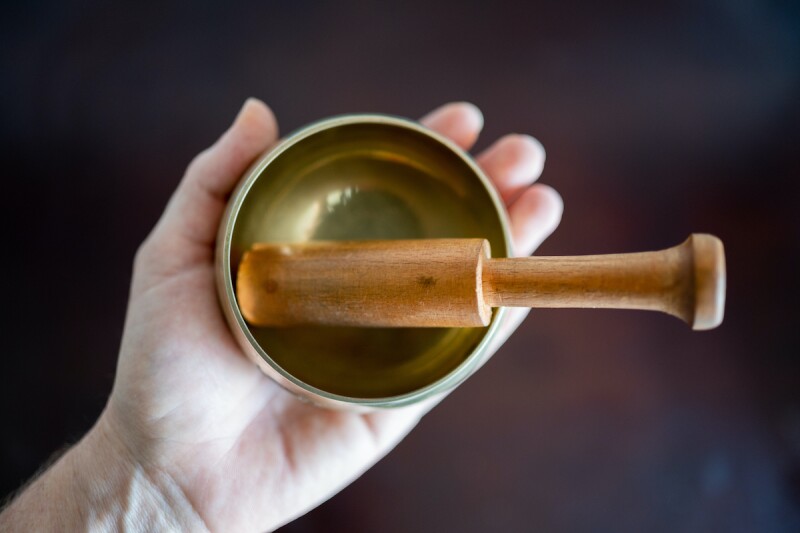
198,162
140,257
144,254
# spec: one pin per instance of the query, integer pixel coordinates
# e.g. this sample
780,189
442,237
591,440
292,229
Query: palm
208,412
243,450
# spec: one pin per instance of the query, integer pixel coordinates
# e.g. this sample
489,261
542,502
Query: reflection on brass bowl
351,178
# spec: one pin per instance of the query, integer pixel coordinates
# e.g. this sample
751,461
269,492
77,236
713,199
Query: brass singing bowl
361,177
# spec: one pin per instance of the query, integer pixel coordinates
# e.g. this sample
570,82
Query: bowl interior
365,179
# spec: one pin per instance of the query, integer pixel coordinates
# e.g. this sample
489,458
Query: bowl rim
225,282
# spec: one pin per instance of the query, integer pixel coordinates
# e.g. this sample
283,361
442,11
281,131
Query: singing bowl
359,177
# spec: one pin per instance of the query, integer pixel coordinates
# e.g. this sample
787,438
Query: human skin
194,437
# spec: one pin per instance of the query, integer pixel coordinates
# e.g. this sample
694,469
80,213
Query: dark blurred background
659,119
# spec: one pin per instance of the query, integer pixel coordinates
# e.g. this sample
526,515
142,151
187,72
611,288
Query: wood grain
368,283
454,283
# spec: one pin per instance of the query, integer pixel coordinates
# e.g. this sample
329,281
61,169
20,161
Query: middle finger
513,163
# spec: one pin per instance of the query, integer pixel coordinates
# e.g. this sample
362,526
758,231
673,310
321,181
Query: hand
209,435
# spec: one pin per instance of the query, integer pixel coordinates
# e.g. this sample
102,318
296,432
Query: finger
461,122
513,163
196,207
534,216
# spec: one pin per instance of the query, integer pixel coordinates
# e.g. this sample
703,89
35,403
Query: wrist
122,492
98,486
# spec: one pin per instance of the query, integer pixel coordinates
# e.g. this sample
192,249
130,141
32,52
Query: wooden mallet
455,283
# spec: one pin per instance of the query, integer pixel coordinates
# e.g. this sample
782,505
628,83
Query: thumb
186,231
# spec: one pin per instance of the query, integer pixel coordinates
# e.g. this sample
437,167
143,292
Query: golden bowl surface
361,177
